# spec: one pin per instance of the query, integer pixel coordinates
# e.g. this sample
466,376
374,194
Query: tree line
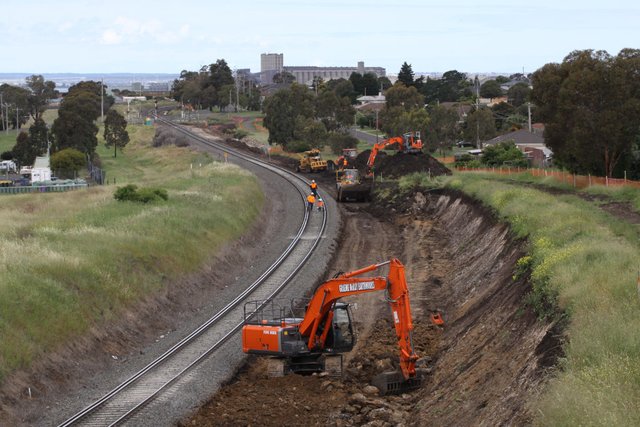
75,127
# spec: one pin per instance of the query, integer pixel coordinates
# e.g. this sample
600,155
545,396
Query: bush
340,141
240,133
67,162
144,195
7,155
298,146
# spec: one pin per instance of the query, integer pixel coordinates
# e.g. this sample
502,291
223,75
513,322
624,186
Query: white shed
41,171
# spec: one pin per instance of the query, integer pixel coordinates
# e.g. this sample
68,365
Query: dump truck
351,185
310,161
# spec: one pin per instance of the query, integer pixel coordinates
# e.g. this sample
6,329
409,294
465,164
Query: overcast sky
44,36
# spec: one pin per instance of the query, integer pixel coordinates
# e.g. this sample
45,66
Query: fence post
606,181
574,180
589,180
625,176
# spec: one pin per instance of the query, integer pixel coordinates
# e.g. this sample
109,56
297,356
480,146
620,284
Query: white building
40,171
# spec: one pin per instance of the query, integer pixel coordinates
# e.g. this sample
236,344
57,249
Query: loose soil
488,361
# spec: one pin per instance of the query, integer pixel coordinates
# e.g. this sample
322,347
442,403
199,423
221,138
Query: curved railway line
127,402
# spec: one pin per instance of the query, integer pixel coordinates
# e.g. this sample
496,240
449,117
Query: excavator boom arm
323,300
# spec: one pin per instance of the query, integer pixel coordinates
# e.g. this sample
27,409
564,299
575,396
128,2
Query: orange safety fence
577,181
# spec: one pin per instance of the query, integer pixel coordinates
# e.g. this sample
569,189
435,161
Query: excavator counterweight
311,338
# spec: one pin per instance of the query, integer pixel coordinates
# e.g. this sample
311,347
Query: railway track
127,402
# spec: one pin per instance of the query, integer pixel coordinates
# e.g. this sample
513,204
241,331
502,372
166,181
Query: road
371,139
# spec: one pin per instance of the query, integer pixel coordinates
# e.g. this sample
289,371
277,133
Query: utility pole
1,110
477,84
529,110
102,99
17,120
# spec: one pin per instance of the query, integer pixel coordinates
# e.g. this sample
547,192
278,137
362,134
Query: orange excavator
314,341
409,142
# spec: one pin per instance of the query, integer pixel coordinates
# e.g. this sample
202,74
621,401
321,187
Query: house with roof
530,143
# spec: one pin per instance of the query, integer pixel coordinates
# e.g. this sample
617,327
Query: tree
518,94
490,89
338,141
310,131
342,88
220,74
284,77
75,127
501,113
504,153
41,92
16,100
370,84
454,86
396,120
590,104
384,83
67,162
23,151
442,130
480,126
39,137
405,76
406,97
115,131
358,84
282,109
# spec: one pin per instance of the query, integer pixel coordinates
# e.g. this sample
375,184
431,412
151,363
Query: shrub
144,195
7,155
240,133
340,141
67,162
298,146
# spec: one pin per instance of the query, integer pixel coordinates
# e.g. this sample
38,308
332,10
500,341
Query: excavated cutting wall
494,353
488,362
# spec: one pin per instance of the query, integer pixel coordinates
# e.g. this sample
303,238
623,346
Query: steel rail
90,410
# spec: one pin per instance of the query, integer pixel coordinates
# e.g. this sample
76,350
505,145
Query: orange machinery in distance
310,343
409,142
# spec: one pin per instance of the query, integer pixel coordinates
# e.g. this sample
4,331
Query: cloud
131,31
110,37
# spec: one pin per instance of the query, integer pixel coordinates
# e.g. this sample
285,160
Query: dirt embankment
487,363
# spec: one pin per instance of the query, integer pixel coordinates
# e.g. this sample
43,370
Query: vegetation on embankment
583,265
69,261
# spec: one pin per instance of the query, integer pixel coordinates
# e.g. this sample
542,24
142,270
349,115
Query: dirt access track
487,363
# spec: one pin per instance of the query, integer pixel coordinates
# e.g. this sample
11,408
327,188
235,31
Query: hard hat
313,180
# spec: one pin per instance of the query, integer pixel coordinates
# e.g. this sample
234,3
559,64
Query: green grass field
69,261
585,263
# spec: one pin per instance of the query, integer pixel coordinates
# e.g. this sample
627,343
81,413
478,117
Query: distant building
273,63
157,87
137,87
305,75
270,65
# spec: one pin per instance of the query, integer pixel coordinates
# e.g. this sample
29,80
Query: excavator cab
341,339
412,142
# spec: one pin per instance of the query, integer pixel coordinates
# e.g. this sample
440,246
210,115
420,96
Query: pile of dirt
400,164
255,399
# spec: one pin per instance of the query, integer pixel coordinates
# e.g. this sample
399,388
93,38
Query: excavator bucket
395,383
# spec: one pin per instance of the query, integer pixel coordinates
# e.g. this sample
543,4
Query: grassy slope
587,262
71,260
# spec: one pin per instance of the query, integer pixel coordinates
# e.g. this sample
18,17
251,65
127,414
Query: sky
76,36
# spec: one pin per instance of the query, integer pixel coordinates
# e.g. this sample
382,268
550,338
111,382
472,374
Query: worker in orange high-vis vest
311,199
314,187
320,204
